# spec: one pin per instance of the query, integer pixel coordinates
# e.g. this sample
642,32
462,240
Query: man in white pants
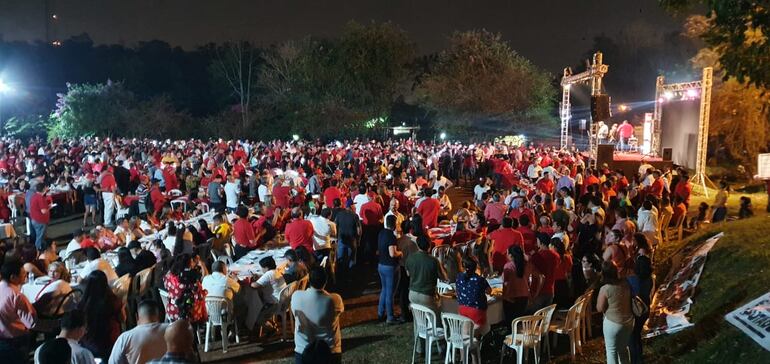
107,185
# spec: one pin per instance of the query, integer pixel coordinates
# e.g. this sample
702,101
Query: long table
249,298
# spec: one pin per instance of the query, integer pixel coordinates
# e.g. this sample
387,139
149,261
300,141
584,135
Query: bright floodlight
4,87
442,136
295,137
668,95
692,93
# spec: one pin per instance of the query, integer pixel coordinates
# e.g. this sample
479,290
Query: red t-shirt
371,213
330,195
299,232
530,238
429,209
243,233
461,237
37,203
281,196
502,239
88,243
108,182
547,261
158,199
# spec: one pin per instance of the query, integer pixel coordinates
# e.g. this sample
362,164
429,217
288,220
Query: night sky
552,33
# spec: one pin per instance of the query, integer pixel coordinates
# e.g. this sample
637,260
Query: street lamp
442,136
295,137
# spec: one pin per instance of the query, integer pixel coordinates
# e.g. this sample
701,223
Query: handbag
638,307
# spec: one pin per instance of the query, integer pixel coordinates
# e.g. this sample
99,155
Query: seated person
462,235
96,262
472,291
223,233
295,269
219,283
270,282
126,263
48,299
75,244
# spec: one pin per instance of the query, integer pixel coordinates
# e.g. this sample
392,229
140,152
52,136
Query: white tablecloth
208,217
249,298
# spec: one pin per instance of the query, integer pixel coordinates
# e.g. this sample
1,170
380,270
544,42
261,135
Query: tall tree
738,30
92,109
236,65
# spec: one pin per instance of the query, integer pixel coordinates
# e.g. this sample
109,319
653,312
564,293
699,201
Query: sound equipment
600,107
668,153
604,154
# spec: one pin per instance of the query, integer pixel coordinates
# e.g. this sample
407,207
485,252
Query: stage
629,162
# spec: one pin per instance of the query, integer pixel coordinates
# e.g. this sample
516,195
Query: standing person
407,244
323,230
145,341
299,232
73,328
429,209
720,202
39,214
516,290
108,186
546,261
348,234
562,294
371,224
625,131
641,286
89,199
614,300
502,239
232,193
17,316
424,271
215,191
317,317
388,270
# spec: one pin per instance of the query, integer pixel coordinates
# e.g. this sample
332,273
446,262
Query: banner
672,300
753,319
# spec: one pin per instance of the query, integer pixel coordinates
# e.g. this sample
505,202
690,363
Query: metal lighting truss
596,70
699,179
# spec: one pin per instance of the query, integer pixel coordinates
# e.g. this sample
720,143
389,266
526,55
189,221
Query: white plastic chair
526,332
204,207
570,326
443,288
425,328
547,314
219,315
12,206
175,193
586,315
175,203
144,276
459,335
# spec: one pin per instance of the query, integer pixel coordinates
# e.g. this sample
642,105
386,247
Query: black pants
514,309
402,291
635,345
562,296
369,243
239,251
14,351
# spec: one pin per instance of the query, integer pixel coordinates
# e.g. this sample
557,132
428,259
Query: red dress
185,300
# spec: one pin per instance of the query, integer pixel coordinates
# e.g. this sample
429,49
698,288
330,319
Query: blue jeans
389,278
39,234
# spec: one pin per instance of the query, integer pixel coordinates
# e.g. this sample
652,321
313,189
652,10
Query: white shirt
317,317
218,284
264,193
71,247
99,264
647,221
323,230
80,355
56,289
232,192
533,171
359,201
479,190
272,283
140,344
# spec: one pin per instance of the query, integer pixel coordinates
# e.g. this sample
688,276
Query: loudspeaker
600,108
604,154
668,153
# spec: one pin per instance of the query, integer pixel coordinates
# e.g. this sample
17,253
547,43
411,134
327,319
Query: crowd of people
543,219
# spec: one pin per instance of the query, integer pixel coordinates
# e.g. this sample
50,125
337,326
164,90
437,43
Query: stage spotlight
692,93
668,95
442,136
623,108
295,137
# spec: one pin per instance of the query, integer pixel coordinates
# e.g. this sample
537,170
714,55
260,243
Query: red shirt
88,243
243,233
331,194
461,237
684,189
37,203
429,209
502,239
547,262
281,196
656,188
108,182
371,213
299,232
530,238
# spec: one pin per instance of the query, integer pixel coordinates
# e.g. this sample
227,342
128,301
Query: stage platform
629,162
